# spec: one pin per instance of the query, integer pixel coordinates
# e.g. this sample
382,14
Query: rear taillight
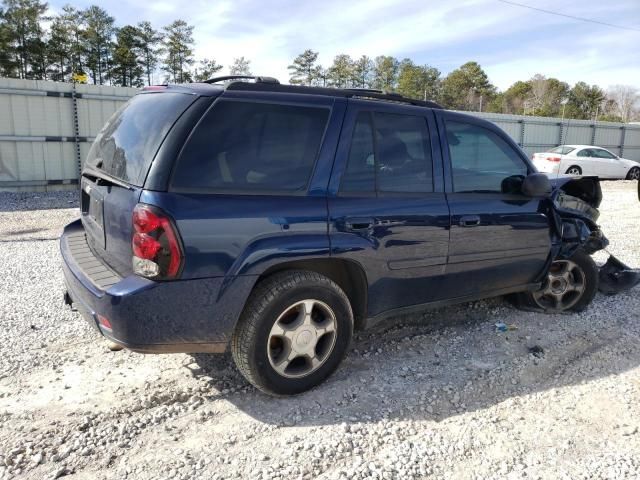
553,159
155,244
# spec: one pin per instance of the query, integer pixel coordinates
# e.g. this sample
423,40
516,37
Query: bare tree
538,93
626,100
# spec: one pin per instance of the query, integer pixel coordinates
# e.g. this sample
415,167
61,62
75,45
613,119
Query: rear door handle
469,221
358,224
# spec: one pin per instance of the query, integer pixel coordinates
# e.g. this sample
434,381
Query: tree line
88,42
469,88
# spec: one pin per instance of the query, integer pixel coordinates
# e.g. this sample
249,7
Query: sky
510,42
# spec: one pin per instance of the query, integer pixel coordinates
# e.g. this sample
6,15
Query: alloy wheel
634,173
302,338
574,171
563,288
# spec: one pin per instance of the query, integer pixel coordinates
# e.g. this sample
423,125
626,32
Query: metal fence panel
39,143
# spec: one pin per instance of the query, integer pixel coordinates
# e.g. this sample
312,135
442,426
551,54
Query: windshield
126,145
562,150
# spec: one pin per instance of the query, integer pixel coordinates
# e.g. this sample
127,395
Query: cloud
510,42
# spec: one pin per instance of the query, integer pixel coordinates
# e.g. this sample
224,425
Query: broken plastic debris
503,327
537,351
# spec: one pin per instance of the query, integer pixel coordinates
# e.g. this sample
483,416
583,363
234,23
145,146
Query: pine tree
207,69
420,82
8,65
304,68
150,42
362,70
98,40
23,35
73,21
240,66
467,88
178,51
127,58
385,73
341,72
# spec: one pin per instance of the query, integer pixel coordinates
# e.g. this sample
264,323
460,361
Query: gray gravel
439,395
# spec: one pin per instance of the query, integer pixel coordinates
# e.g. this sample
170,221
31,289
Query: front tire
571,285
634,174
293,333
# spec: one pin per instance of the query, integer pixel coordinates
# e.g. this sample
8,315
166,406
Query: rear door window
129,141
252,147
389,153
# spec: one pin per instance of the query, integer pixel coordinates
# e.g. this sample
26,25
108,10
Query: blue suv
273,220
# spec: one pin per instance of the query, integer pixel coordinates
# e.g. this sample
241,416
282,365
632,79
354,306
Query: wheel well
574,166
349,276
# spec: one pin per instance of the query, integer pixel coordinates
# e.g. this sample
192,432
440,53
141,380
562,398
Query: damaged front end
573,211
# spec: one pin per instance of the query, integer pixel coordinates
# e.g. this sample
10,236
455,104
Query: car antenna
563,133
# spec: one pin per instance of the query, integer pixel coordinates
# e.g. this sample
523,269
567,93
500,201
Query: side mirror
536,185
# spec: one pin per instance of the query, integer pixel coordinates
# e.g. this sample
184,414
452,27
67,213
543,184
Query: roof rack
273,85
243,77
363,90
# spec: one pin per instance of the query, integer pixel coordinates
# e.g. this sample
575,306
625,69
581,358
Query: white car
586,160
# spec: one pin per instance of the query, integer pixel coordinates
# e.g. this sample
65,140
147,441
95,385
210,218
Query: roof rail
394,97
243,77
364,93
363,90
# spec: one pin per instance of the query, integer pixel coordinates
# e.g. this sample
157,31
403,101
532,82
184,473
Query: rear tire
574,170
634,174
293,333
571,285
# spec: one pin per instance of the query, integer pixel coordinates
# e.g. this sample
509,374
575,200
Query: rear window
248,147
562,150
126,145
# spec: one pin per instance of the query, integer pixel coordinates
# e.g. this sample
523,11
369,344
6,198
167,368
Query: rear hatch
116,168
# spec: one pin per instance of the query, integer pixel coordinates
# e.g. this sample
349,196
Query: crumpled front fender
573,209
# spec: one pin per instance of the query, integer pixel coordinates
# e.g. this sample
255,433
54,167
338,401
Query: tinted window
562,150
404,153
482,161
585,153
126,145
398,161
252,147
360,173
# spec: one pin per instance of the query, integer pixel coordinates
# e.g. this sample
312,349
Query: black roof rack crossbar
243,77
366,93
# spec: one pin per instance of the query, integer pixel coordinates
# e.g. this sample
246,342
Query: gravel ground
439,395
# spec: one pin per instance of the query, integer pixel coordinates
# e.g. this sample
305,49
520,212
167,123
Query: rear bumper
147,316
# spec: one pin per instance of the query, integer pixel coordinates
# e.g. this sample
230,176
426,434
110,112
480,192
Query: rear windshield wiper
105,177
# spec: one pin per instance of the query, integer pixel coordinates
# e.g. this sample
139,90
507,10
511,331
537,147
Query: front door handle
469,221
358,224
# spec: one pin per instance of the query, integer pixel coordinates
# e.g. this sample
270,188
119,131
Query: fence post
521,133
76,127
560,142
593,134
622,135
